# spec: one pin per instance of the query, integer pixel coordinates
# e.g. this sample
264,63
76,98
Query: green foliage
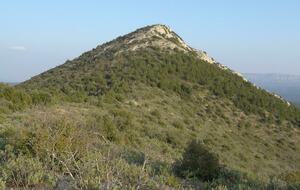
24,171
292,177
198,161
40,98
2,184
13,99
57,148
109,129
171,71
105,146
134,157
230,179
15,140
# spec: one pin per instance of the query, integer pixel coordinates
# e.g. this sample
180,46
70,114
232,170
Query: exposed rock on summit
160,36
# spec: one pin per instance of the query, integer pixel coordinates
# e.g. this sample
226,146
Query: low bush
197,161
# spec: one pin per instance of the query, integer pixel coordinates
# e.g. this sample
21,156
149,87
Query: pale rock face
158,36
203,56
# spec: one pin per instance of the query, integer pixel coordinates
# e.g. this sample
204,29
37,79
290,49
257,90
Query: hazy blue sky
249,36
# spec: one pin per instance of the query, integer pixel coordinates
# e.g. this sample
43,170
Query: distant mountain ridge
10,83
287,86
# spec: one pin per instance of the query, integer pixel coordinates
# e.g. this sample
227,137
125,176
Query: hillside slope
157,56
121,116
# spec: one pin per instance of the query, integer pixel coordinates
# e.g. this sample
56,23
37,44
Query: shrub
109,130
25,171
156,114
292,177
40,98
197,161
2,184
134,157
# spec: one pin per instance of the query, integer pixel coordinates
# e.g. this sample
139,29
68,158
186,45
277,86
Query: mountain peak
157,35
159,28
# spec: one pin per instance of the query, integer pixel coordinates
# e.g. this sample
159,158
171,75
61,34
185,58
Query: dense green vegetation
12,99
146,119
131,145
198,162
178,72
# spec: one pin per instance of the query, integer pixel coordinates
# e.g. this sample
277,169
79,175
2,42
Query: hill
158,57
123,116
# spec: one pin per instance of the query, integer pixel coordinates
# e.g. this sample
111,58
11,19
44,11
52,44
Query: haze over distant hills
287,86
10,83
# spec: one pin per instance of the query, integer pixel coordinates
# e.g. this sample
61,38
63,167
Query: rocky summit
151,36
